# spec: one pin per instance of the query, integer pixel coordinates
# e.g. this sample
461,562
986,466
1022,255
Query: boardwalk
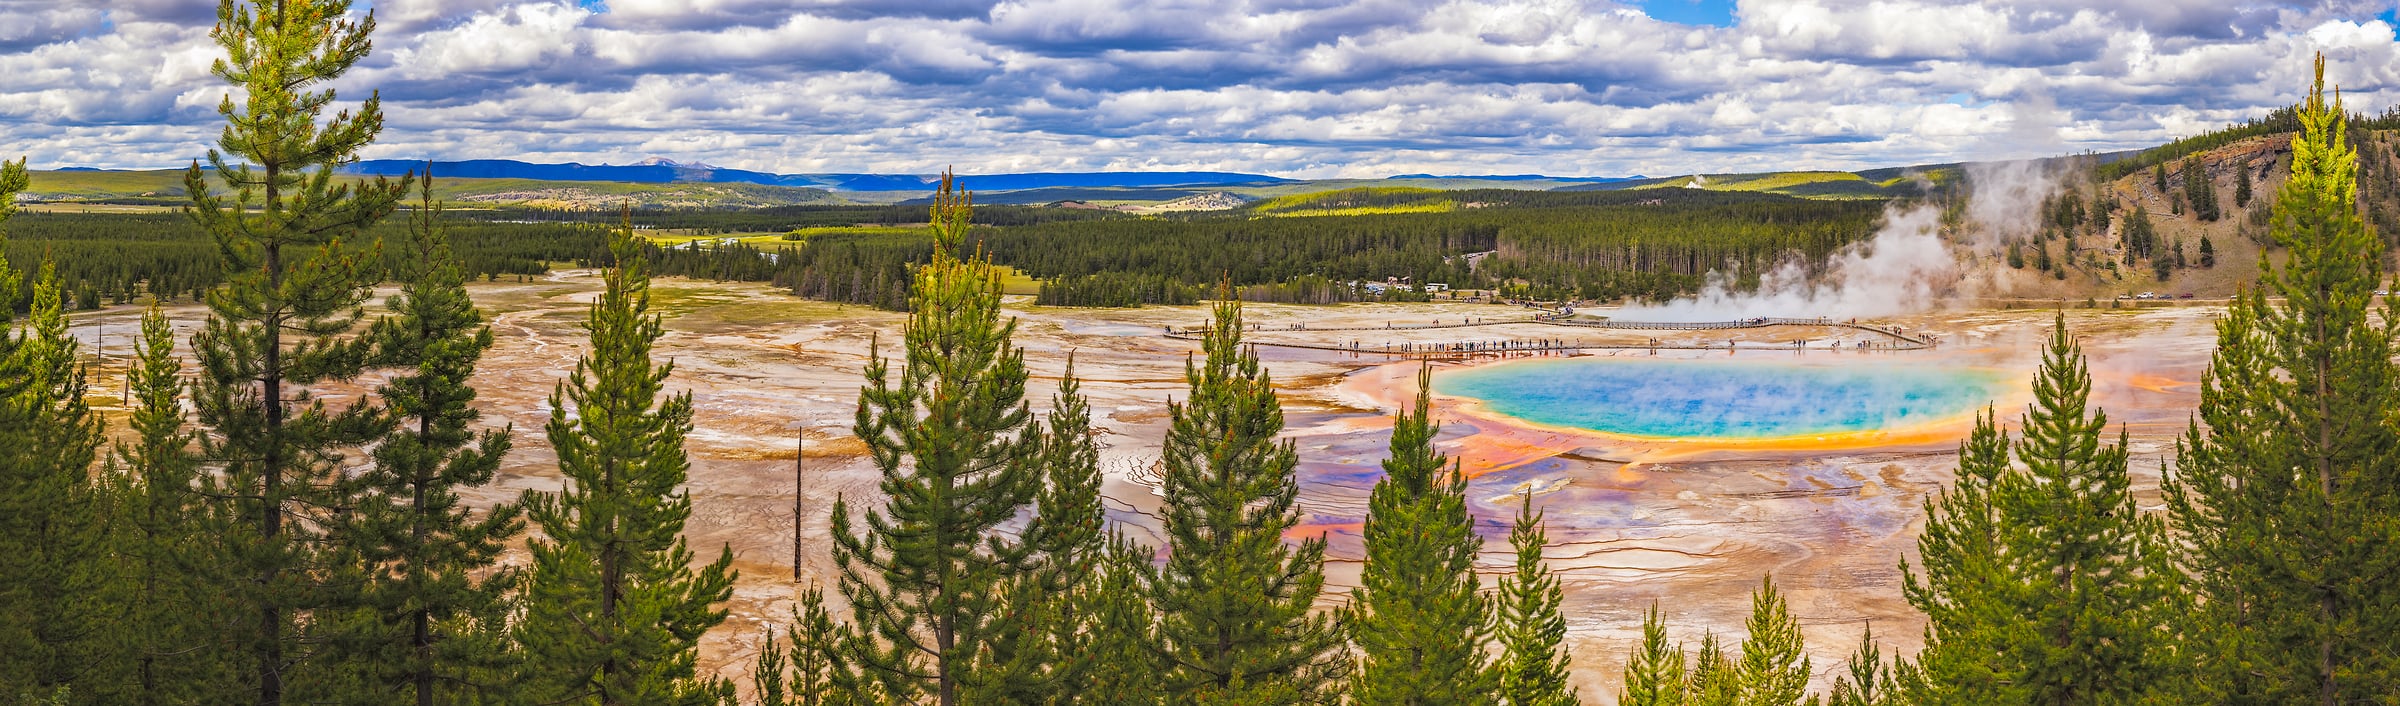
1898,340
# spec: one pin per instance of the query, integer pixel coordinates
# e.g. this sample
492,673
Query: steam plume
1907,267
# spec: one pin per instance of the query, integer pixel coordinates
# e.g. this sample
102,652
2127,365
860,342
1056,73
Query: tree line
2279,121
167,256
1586,244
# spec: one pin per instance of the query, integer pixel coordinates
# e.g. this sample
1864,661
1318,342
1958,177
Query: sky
1292,88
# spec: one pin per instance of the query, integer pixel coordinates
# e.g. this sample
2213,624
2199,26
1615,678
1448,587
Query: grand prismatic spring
1741,400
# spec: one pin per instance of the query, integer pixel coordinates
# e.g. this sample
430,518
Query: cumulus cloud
1307,88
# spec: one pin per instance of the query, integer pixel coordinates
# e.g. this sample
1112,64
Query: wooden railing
1901,340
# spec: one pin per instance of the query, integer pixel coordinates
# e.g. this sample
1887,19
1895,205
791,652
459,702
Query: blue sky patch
1714,13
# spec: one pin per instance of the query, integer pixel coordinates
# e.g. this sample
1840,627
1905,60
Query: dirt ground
1691,526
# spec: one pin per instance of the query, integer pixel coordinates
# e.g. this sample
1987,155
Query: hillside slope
1869,184
2238,237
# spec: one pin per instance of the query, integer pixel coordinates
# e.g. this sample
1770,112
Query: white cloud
1291,87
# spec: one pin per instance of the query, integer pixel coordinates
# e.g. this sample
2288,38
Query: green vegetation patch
1876,184
804,234
1359,202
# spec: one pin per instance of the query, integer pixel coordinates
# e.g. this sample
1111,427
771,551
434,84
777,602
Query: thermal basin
1732,400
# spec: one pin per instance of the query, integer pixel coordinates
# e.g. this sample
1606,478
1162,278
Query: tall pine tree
1049,660
1531,631
13,180
1418,618
1966,588
2043,583
430,600
1123,630
2090,572
53,546
2289,498
928,579
280,323
1234,600
169,591
613,611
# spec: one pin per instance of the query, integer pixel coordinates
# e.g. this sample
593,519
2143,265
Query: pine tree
168,591
1654,674
768,685
1048,660
1965,587
279,324
929,583
1774,670
1235,603
13,180
430,596
2208,253
1715,680
2241,185
1531,631
1868,683
2090,570
53,545
1123,629
2199,189
1418,620
2140,236
613,611
813,671
2289,498
2158,177
2042,584
820,674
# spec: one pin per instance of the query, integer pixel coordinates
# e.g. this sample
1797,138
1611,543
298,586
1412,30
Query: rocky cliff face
1211,201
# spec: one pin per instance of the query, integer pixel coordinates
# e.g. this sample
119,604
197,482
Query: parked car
2185,295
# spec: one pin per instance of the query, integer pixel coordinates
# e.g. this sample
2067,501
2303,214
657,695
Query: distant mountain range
665,171
1519,177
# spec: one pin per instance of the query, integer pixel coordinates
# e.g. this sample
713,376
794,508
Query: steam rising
1909,266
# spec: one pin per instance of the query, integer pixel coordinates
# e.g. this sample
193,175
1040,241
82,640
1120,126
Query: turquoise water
1724,398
